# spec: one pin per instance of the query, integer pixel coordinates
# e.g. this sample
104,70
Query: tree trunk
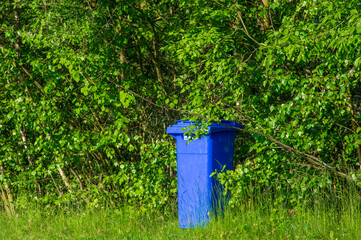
77,178
63,175
7,196
265,24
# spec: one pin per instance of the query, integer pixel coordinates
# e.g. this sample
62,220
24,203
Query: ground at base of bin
241,224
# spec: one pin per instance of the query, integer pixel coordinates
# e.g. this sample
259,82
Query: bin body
199,195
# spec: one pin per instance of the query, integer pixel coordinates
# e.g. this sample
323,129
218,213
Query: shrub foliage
89,87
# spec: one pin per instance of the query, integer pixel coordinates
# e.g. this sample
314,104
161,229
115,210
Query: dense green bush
88,88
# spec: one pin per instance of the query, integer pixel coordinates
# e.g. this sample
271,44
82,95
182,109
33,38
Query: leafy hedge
89,87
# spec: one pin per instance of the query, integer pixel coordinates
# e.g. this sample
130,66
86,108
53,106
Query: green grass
322,221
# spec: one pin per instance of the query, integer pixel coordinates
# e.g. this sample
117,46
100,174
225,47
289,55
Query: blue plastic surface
198,193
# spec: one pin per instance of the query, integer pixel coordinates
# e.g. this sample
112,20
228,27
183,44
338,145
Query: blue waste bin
199,194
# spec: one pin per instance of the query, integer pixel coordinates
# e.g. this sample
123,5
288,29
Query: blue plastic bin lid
214,128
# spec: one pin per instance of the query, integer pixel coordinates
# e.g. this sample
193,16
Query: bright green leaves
76,77
171,103
125,98
149,182
311,89
93,90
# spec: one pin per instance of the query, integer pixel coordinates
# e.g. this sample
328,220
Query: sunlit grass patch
252,221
